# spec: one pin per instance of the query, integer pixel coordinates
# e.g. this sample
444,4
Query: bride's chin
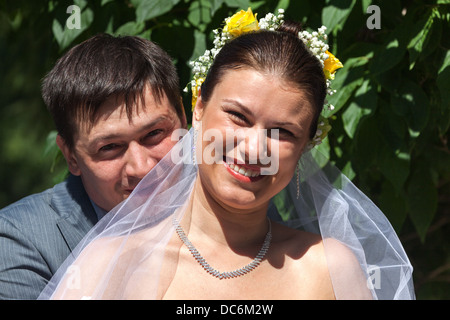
233,193
237,198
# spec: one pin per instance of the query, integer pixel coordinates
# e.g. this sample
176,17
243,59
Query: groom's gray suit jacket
37,233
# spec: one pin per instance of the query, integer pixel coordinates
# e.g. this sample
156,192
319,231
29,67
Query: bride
239,209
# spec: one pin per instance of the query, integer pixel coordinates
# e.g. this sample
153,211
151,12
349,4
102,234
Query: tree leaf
130,28
392,51
390,81
387,56
443,83
433,40
200,45
411,102
362,104
368,143
393,205
422,198
146,10
241,4
104,2
393,128
346,81
50,143
336,12
65,36
321,153
215,5
420,39
395,169
200,14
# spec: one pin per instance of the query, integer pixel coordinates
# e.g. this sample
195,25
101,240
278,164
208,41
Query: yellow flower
195,90
241,22
331,65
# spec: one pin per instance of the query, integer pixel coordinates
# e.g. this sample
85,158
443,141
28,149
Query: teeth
243,171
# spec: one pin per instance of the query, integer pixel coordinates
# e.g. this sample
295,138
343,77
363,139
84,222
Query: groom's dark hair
105,66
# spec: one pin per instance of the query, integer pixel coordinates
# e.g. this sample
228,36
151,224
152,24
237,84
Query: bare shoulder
295,242
350,282
327,252
339,253
332,268
302,255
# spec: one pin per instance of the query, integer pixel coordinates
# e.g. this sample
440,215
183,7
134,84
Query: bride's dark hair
280,53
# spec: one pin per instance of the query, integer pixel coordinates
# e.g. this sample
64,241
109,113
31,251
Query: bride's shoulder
303,258
295,240
312,243
303,246
325,258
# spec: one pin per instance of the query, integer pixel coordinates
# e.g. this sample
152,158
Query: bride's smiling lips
243,172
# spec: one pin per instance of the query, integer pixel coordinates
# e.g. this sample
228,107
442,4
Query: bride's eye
237,116
281,132
286,132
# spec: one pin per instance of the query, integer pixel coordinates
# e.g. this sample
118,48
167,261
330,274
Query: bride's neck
226,225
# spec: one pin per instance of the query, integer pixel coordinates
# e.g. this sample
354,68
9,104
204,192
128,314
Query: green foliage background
390,126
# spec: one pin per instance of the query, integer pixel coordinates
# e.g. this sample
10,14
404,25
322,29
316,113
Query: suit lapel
77,216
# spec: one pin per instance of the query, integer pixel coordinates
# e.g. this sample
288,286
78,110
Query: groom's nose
138,161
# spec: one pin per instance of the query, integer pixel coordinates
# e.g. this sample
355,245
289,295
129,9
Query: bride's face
244,103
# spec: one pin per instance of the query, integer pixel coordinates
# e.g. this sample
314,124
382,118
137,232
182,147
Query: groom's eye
109,147
154,133
153,136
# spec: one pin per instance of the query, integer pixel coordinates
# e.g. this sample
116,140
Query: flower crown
244,22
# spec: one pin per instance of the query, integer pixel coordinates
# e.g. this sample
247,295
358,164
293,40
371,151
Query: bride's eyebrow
248,111
238,104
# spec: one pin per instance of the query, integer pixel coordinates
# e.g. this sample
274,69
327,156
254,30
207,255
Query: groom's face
115,153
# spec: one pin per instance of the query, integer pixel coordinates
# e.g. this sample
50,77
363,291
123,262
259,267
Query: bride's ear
198,110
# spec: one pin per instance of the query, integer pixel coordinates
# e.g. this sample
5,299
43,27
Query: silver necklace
225,275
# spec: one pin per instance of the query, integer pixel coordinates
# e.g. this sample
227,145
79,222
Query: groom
115,102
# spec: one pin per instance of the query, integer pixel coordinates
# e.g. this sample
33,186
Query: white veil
127,247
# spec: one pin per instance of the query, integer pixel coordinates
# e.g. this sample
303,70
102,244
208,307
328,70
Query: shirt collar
98,211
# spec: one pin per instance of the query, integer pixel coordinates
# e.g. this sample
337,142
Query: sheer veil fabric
130,254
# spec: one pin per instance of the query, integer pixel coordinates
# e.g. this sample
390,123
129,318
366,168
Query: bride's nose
253,145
